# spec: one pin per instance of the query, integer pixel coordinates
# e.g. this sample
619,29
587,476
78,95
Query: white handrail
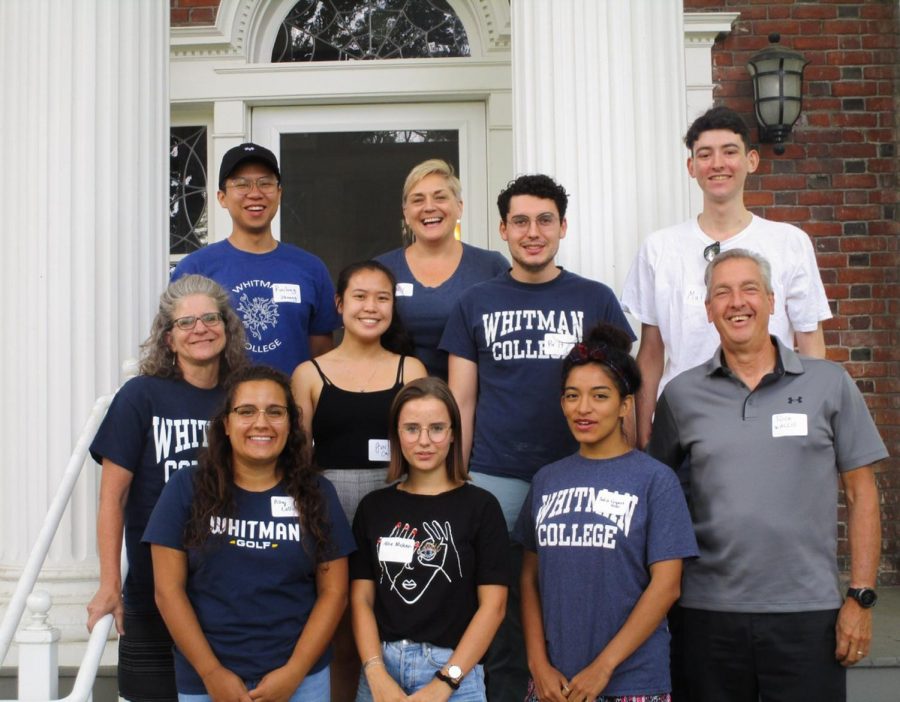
90,662
48,530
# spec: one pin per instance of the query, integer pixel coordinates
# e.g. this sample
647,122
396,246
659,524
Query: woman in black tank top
345,395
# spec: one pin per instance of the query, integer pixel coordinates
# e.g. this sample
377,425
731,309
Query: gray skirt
352,484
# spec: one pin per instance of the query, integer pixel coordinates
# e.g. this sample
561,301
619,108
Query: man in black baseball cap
283,294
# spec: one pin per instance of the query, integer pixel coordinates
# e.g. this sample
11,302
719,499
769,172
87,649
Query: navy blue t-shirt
253,584
597,526
282,296
519,334
154,427
424,310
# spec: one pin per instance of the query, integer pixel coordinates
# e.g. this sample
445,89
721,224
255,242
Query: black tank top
350,429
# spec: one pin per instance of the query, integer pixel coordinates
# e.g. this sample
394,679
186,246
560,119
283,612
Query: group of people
510,501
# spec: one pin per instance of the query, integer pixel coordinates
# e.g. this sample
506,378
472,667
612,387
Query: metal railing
87,671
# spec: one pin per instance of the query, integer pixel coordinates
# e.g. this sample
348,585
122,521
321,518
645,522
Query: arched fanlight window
348,30
187,189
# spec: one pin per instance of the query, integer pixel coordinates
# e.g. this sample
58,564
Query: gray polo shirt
763,479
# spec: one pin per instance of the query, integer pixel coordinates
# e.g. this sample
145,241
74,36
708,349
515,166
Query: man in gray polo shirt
770,436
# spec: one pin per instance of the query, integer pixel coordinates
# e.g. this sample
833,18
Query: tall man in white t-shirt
664,289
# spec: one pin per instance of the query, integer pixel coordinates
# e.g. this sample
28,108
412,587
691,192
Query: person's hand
224,686
276,686
549,684
106,601
383,687
853,632
435,691
587,684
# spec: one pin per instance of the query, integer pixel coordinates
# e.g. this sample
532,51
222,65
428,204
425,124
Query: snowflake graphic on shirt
258,313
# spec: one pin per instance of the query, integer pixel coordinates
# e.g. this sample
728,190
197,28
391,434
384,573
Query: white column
84,130
599,104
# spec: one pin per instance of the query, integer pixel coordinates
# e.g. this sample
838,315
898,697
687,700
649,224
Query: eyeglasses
242,186
209,319
523,223
248,413
711,251
436,432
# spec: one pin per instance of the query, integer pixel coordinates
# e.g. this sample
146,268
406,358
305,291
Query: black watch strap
447,679
865,596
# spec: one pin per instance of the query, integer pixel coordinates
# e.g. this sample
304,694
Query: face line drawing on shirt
429,557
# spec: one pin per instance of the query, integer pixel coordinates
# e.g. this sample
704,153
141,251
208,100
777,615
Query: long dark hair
395,338
416,390
214,480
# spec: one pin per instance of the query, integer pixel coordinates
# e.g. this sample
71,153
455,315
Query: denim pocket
437,656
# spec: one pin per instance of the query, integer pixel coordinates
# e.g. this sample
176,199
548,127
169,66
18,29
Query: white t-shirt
665,288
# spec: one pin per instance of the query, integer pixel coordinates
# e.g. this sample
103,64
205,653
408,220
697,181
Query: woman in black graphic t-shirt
429,578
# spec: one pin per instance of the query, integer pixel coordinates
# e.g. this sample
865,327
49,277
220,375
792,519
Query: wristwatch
865,596
453,676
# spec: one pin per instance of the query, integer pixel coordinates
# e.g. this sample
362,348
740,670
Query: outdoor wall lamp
777,75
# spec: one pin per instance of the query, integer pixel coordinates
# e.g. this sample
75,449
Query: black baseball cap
234,157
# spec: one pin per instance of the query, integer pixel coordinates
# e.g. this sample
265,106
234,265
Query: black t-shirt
427,555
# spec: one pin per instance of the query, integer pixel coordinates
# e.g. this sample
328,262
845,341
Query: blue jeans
413,666
314,688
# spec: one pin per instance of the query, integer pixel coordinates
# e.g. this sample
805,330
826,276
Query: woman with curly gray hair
155,426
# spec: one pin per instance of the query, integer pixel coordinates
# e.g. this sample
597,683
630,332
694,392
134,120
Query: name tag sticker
285,292
558,345
283,506
379,450
789,424
393,549
695,296
404,290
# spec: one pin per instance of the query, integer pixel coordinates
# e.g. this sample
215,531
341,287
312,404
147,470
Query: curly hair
214,479
395,338
159,360
538,185
717,118
610,347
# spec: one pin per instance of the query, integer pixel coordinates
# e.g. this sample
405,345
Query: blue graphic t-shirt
154,427
253,584
424,310
518,334
597,526
282,296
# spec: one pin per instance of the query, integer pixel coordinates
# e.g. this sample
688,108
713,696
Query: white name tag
283,506
695,296
789,424
558,345
285,292
379,450
403,290
393,549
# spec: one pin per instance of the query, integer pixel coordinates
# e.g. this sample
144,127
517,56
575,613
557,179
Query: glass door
343,169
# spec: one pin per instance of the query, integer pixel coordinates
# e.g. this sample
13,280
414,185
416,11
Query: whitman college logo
258,314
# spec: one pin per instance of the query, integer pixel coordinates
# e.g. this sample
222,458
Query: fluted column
84,177
599,103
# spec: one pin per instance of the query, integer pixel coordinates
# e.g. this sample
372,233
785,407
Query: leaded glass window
188,228
346,30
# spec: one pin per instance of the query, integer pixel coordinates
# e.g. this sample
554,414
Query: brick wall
188,12
838,180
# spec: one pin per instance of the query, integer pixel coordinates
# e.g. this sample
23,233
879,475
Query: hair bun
610,335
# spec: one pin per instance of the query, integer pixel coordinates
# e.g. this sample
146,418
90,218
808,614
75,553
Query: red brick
831,260
758,198
879,104
875,10
856,197
813,12
849,42
820,42
863,243
853,276
788,214
178,17
820,197
854,119
848,307
876,72
818,229
857,213
203,15
853,88
783,182
841,26
878,41
850,58
198,3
